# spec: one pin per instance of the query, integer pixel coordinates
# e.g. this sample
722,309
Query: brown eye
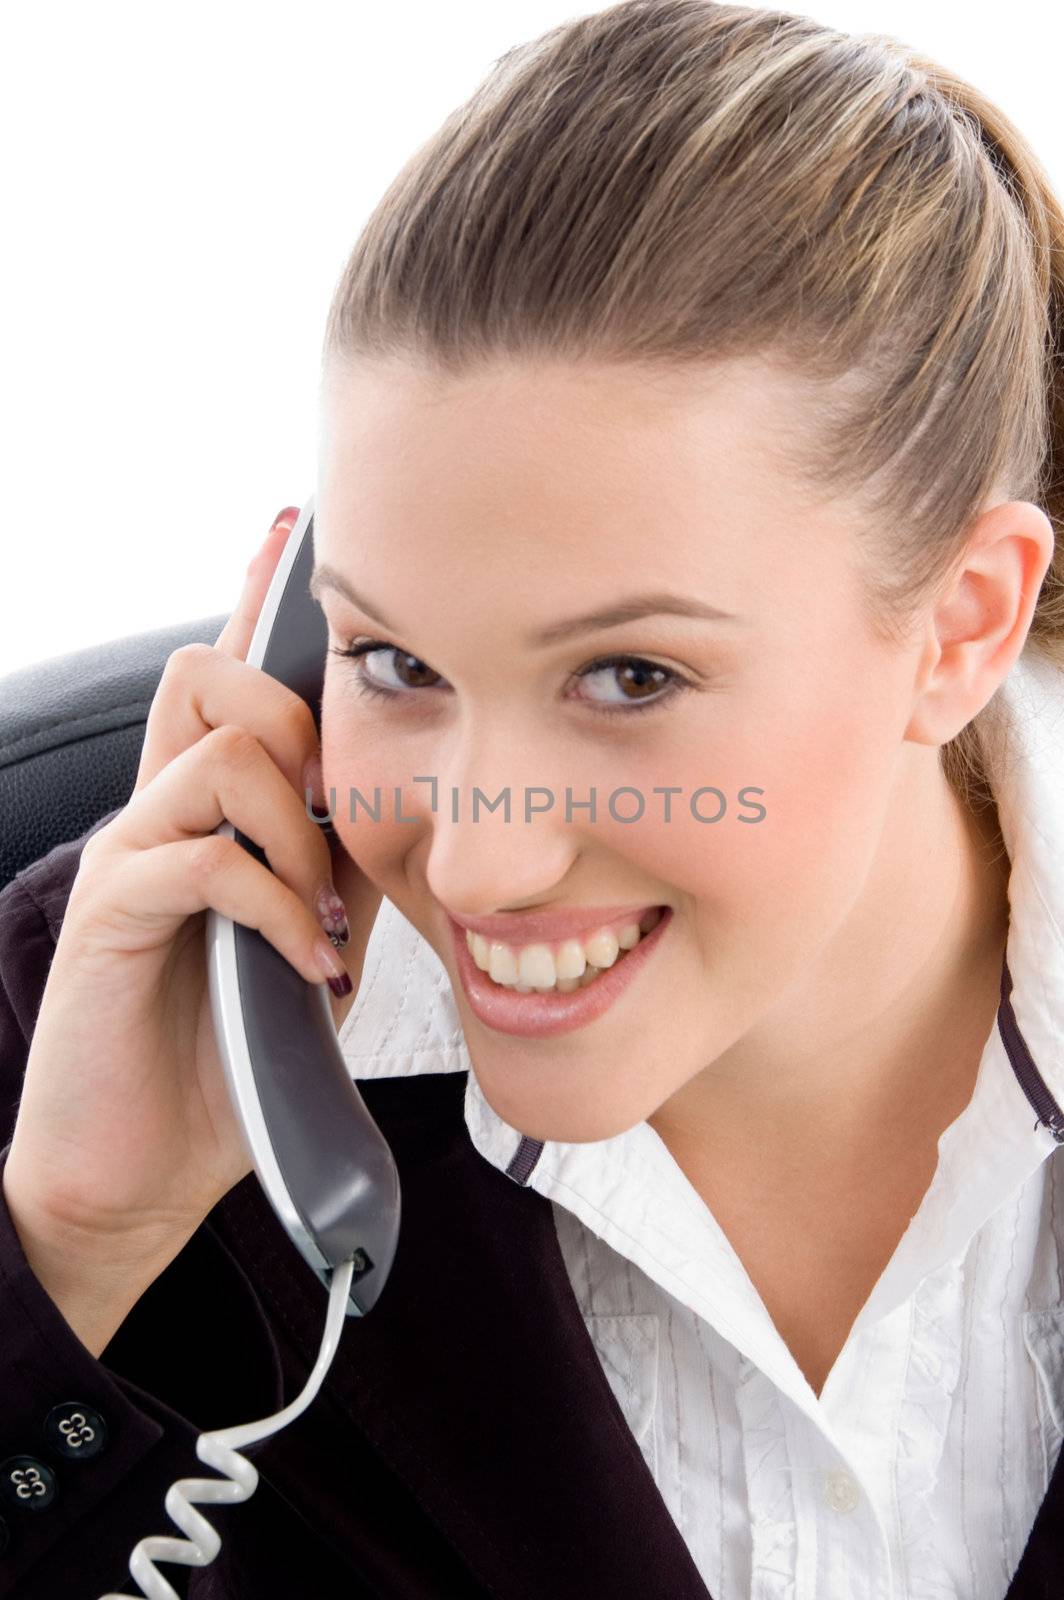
642,683
411,672
644,679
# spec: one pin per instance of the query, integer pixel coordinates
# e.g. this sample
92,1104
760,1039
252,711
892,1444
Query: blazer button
75,1431
26,1483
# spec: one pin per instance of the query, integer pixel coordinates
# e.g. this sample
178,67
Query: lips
540,1015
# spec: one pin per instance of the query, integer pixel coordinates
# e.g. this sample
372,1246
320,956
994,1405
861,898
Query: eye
368,648
652,683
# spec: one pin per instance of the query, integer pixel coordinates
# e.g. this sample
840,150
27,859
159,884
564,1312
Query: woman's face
474,515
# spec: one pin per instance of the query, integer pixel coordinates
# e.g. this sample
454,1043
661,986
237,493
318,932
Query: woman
691,430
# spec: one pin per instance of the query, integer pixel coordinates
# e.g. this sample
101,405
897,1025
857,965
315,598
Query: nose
478,861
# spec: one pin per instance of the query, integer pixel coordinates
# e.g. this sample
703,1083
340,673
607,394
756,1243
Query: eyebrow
629,609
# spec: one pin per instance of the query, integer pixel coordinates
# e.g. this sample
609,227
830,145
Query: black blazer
465,1443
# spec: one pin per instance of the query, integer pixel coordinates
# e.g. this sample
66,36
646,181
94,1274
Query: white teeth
570,961
535,966
478,945
577,963
502,965
601,949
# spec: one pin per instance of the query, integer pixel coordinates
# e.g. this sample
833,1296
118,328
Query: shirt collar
1022,735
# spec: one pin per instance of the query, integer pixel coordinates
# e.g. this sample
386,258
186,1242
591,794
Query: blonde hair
676,182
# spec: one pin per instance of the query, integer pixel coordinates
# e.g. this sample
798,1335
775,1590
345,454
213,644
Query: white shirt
917,1473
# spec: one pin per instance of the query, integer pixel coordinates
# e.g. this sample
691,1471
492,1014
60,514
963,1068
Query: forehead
570,455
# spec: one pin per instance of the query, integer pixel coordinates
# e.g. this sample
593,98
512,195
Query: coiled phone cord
220,1450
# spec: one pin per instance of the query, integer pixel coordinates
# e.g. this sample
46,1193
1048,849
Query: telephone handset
324,1164
319,1155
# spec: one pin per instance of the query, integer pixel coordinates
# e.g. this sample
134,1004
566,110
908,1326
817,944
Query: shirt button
841,1491
75,1431
27,1483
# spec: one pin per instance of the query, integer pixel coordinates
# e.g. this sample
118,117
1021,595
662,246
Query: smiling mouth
569,965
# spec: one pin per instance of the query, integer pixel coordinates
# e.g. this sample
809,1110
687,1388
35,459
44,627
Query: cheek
827,768
805,769
364,763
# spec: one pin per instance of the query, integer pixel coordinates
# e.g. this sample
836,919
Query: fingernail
274,525
290,514
334,969
314,791
332,913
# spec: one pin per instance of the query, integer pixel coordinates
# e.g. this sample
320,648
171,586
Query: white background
180,187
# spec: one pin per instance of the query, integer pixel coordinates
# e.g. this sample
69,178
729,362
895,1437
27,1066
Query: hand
125,1129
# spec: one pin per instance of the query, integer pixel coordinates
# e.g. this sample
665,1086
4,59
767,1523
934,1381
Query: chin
569,1118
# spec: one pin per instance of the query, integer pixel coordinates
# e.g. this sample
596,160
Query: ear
980,623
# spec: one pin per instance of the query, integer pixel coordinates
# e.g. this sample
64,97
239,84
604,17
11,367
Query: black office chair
71,732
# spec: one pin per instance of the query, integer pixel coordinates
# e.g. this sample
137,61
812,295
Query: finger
202,689
176,880
229,777
235,636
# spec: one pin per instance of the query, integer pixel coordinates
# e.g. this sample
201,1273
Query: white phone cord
219,1450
